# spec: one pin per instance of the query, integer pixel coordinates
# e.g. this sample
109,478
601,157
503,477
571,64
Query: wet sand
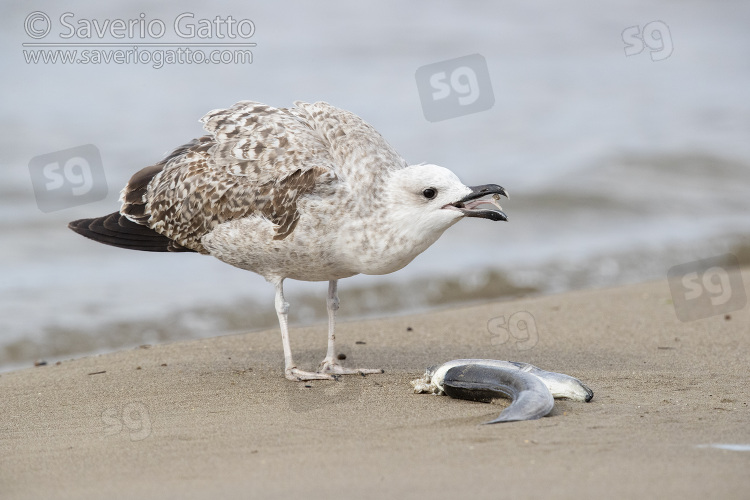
215,418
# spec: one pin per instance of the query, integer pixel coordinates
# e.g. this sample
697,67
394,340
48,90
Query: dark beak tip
484,190
497,189
493,215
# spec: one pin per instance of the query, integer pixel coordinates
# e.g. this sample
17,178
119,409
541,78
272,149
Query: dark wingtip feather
116,230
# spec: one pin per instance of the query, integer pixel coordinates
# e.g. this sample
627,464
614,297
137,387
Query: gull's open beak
467,205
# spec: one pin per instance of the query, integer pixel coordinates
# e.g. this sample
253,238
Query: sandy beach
215,418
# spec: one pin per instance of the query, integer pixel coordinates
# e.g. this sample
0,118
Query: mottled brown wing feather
258,160
353,143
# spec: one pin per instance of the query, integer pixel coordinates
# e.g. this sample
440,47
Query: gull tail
118,231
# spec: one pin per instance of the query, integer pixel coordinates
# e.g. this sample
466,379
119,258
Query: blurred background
619,166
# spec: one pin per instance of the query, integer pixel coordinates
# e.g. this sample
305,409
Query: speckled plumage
309,193
241,192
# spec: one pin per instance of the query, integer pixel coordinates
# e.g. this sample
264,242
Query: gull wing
257,160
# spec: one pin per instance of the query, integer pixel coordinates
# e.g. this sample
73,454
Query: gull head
434,198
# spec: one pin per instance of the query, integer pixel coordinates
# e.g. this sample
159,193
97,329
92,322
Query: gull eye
429,193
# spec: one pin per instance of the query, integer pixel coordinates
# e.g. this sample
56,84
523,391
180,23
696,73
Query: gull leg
290,369
329,364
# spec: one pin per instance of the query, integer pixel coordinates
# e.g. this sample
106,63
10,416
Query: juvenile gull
310,193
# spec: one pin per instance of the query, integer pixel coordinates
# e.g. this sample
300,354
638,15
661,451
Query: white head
432,198
415,206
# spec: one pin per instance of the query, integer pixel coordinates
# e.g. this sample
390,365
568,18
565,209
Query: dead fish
531,389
